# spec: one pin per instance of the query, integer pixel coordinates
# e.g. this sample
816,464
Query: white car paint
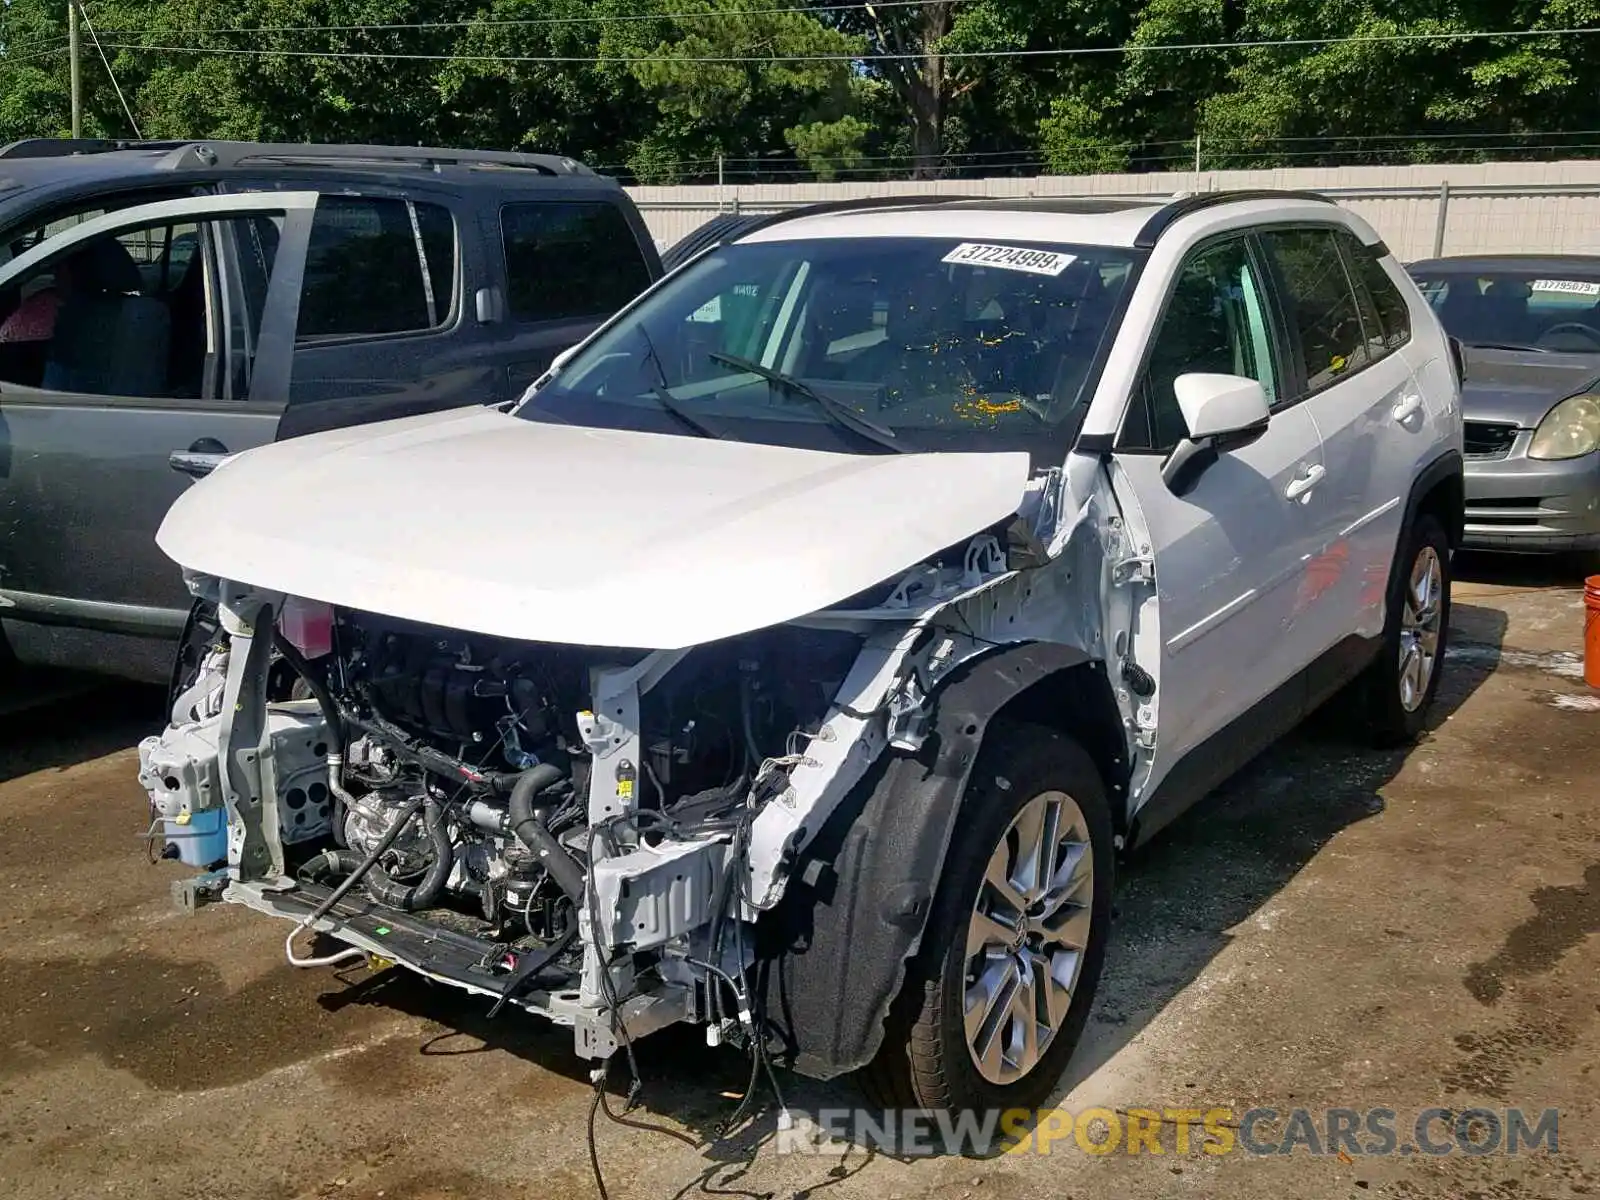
483,522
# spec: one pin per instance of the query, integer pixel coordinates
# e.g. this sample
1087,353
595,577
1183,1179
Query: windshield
859,345
1554,309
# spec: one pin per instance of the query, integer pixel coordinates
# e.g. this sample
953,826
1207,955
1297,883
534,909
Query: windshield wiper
1507,346
667,400
840,414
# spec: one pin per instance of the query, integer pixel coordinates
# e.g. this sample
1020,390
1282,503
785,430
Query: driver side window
1215,322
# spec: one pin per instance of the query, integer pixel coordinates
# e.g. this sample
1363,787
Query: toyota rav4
798,653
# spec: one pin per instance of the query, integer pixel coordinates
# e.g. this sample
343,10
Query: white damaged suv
796,655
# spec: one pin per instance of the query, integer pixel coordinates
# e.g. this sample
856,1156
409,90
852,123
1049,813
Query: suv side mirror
1223,412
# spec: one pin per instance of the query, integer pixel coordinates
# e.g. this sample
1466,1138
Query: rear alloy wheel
1400,685
997,1000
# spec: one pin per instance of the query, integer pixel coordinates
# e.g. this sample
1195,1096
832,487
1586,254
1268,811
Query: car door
1369,411
1229,555
387,325
569,261
170,335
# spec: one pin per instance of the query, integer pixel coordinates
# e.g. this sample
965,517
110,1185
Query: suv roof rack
1185,206
68,147
206,155
189,154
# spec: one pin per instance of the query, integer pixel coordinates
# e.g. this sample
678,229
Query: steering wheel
1575,327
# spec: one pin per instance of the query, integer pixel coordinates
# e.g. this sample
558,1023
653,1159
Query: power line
8,59
472,23
1059,52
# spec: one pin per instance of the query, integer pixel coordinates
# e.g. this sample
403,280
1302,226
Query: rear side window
1389,317
1320,304
377,266
570,259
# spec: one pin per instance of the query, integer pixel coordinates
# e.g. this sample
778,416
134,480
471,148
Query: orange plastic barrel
1591,631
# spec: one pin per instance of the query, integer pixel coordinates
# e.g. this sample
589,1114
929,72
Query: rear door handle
1300,489
1408,407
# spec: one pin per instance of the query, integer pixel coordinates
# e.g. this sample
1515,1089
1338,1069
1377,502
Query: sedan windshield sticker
1567,287
1011,258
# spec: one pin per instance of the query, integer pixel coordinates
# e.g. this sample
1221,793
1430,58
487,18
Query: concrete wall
1492,207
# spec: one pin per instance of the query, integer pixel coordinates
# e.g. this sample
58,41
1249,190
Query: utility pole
73,47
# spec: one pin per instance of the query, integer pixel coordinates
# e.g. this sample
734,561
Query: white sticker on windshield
1567,287
1011,258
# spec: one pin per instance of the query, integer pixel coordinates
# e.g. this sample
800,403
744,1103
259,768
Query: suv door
1368,408
570,262
164,331
1229,556
387,326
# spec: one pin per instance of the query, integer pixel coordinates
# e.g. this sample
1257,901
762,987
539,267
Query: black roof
200,155
44,171
1512,263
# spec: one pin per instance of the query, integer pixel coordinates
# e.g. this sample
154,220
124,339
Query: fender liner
860,896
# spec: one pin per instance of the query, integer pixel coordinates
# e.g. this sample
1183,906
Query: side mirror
1219,406
1223,412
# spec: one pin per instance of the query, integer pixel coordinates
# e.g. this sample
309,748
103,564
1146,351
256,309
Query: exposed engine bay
606,837
495,807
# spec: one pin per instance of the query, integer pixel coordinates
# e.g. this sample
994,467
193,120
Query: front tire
1400,685
997,1000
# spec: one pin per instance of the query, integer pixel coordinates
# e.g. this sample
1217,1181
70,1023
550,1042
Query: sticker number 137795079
1010,258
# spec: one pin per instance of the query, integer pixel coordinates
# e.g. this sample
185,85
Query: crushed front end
588,834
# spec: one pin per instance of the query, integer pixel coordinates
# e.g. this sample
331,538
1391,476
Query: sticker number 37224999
1011,258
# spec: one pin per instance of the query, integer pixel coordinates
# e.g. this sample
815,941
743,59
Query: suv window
377,266
1320,303
131,315
570,259
1216,323
1389,310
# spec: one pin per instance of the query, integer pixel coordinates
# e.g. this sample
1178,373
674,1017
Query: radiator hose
410,898
380,885
536,836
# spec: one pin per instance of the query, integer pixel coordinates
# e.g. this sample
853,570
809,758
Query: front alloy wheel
1027,937
998,996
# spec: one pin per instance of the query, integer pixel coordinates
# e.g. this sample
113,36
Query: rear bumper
1520,503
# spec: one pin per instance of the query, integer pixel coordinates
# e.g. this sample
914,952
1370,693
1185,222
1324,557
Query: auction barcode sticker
1567,287
1011,258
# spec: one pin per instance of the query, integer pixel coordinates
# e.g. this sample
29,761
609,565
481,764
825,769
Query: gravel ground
1336,928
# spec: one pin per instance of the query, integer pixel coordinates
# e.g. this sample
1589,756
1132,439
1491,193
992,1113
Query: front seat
109,340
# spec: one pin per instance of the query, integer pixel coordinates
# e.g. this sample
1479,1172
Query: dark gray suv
163,305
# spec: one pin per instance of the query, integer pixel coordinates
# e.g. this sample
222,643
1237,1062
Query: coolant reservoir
308,624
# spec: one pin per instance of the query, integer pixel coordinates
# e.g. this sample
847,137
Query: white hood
480,521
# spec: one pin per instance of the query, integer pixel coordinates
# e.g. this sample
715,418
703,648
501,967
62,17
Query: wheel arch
859,900
1440,490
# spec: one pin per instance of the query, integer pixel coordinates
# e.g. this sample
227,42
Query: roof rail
1184,206
860,204
211,155
67,147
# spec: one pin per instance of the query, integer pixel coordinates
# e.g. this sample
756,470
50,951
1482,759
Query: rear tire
1400,686
1017,945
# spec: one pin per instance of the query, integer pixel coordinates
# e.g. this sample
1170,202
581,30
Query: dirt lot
1335,929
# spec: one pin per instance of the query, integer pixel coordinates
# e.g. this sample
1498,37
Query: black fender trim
859,899
1447,465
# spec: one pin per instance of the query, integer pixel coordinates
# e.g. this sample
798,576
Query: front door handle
200,459
1300,489
1408,407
